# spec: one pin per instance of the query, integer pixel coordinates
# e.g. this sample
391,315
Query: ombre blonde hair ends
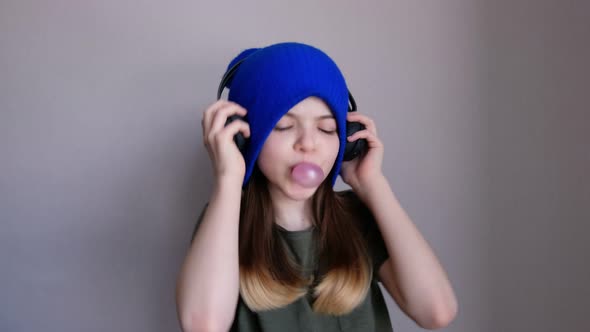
269,277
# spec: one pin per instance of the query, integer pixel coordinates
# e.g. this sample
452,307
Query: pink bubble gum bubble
307,175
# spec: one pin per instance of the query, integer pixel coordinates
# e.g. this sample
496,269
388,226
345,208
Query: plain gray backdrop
482,106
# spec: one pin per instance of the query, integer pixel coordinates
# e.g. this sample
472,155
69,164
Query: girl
276,248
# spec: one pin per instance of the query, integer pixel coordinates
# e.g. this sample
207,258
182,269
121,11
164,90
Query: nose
306,140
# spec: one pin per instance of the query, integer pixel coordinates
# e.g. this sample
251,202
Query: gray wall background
538,119
482,106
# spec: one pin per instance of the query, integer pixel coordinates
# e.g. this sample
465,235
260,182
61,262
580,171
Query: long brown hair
269,278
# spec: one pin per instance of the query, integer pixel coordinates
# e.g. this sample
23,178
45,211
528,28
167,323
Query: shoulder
353,202
368,227
363,216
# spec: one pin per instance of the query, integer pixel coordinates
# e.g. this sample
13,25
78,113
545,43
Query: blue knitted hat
273,79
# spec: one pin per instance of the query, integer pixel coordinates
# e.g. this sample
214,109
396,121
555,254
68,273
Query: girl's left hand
362,172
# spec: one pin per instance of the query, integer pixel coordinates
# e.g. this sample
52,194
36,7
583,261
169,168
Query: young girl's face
307,132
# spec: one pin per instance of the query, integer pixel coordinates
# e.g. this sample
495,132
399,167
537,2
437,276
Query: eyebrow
327,116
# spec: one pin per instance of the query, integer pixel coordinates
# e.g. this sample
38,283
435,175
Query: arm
412,274
208,284
207,289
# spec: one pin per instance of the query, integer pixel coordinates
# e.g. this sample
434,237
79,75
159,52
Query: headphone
351,150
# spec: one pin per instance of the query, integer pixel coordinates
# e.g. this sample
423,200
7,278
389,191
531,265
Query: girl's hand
362,172
218,138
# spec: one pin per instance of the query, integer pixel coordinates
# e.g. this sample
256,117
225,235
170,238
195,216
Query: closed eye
283,128
330,132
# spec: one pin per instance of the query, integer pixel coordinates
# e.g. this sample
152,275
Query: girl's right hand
225,156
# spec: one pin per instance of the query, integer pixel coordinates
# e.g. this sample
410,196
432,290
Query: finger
365,120
208,117
225,112
228,132
208,114
372,139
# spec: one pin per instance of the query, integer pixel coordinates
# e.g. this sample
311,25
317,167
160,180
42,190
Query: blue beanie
273,79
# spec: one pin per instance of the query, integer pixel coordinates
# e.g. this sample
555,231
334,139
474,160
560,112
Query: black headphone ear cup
358,147
239,138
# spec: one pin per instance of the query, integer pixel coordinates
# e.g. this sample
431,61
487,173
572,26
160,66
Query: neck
292,215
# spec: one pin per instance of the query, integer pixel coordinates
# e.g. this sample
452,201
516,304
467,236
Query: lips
306,163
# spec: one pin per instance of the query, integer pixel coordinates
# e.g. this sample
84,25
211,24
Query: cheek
331,153
334,147
270,150
269,154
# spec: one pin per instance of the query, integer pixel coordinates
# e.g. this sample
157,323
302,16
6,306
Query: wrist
229,181
374,189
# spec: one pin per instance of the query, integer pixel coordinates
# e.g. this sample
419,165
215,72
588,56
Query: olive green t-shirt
370,315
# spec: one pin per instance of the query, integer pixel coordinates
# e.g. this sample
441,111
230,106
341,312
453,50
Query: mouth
305,162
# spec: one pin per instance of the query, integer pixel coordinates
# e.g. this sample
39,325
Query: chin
297,192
